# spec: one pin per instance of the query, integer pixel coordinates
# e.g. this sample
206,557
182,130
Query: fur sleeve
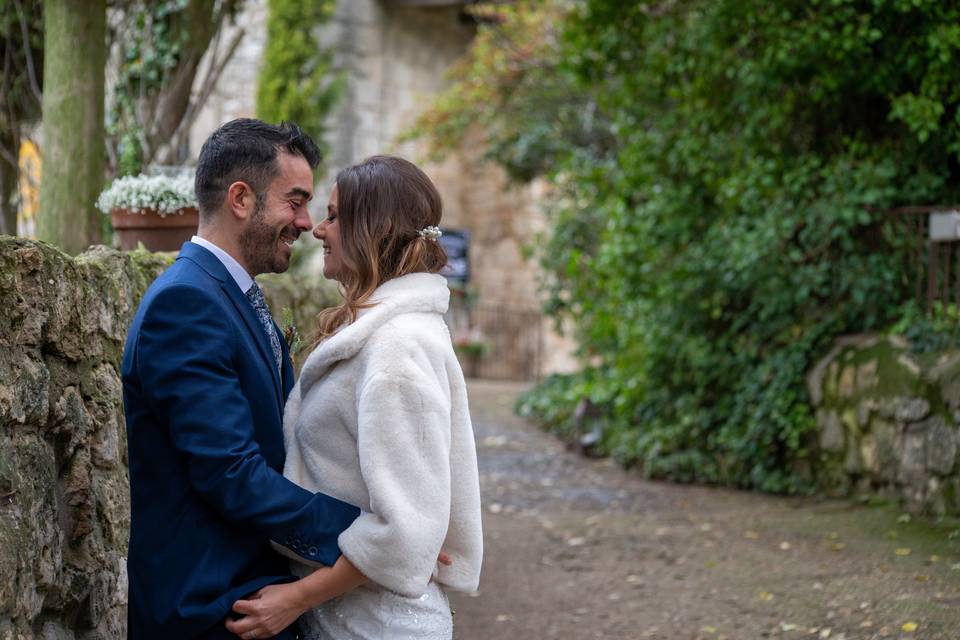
404,450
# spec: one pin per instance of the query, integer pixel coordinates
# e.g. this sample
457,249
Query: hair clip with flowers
431,233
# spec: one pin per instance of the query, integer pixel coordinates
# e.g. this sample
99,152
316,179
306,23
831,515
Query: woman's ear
241,200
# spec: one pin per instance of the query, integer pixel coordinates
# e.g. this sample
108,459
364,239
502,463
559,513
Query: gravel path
580,549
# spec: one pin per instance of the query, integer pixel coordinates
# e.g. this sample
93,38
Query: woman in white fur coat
379,419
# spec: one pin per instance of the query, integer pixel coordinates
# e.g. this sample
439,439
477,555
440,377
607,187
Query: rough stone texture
887,422
831,431
64,496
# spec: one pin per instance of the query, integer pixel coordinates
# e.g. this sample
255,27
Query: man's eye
296,204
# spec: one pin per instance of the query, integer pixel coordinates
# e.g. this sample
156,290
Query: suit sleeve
404,449
185,362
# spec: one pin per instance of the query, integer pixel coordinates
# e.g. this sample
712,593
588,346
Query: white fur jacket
379,419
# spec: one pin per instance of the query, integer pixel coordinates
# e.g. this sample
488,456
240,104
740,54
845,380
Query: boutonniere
290,333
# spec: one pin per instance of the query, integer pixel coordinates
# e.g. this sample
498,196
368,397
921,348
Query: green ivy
717,216
298,81
149,54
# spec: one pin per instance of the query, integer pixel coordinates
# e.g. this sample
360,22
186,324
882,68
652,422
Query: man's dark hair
246,150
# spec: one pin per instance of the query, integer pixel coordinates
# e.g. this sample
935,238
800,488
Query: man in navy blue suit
206,374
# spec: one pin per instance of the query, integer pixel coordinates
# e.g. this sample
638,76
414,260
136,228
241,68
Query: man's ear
241,200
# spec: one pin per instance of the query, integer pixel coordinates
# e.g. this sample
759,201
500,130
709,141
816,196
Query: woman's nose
318,231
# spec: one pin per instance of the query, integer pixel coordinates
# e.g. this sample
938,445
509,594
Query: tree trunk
9,174
74,156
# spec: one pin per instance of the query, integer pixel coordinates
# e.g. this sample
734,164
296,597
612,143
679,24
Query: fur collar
412,293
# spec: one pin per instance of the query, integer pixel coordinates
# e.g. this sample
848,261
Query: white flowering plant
138,194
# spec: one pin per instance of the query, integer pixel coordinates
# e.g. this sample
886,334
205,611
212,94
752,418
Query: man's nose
303,221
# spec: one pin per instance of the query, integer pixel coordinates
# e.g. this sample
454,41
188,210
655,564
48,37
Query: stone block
24,389
868,454
864,409
56,631
913,457
852,463
820,378
911,409
867,375
887,444
832,436
909,364
849,419
846,385
903,408
941,446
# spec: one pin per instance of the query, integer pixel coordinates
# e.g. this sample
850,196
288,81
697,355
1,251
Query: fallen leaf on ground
766,596
784,546
909,627
751,535
902,551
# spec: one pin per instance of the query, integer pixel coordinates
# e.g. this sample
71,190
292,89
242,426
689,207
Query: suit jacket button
312,551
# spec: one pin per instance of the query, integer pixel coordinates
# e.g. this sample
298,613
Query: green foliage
151,50
720,170
158,47
929,332
297,81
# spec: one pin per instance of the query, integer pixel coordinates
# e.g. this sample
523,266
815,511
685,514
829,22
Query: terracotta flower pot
156,232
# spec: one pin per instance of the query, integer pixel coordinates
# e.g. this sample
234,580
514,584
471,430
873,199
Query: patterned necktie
255,295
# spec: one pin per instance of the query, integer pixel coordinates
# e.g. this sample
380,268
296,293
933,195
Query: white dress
372,612
379,419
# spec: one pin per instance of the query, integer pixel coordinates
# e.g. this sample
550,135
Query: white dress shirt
240,275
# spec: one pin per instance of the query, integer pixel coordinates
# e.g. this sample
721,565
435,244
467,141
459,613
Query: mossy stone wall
888,422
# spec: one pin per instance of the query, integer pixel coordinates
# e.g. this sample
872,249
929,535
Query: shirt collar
239,274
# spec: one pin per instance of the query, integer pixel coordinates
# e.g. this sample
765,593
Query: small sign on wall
456,242
945,226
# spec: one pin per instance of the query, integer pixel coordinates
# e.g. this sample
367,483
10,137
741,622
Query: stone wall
64,497
64,501
887,422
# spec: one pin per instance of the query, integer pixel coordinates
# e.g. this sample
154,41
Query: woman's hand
268,611
272,609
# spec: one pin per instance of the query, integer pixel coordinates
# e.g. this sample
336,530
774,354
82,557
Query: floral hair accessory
430,233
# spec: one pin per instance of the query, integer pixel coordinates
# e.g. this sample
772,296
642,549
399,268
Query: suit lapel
245,309
212,265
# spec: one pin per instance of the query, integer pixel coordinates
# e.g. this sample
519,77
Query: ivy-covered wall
888,422
64,499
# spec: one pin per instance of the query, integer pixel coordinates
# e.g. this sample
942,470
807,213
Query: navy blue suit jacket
204,409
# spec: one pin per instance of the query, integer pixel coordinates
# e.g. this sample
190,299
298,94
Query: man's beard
259,244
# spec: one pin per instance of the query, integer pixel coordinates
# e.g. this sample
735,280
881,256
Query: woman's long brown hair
382,205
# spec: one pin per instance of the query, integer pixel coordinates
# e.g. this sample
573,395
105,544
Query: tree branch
28,54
